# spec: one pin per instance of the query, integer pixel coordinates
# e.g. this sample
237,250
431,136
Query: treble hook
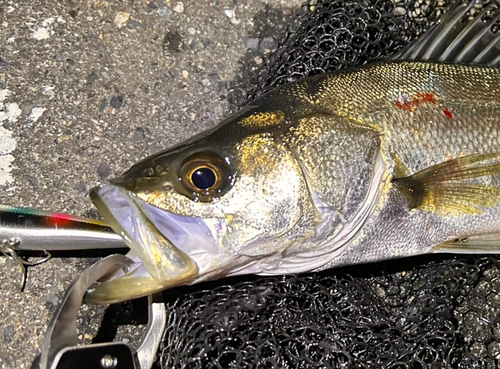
8,249
31,230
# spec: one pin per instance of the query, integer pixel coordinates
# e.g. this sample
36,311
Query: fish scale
373,101
327,167
383,161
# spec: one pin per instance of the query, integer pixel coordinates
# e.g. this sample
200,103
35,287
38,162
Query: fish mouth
168,249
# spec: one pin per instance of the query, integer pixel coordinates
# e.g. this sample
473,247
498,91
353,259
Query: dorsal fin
456,40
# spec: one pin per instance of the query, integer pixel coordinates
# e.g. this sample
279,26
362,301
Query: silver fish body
378,162
422,115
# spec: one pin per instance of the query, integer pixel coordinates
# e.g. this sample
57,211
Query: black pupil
203,178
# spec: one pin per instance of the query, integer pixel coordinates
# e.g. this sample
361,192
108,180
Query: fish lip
166,264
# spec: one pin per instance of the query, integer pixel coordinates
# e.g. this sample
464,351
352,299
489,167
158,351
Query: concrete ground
89,87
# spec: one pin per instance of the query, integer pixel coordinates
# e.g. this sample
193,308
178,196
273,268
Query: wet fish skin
409,106
312,171
383,161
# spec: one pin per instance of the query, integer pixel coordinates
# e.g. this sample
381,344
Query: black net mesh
424,312
330,35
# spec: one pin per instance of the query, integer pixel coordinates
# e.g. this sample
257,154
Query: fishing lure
26,233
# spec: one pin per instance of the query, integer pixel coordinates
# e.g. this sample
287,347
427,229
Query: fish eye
205,176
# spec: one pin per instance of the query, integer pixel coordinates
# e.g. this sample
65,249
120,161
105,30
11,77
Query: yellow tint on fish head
267,198
264,119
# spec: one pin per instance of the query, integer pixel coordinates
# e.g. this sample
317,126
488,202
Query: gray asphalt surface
87,88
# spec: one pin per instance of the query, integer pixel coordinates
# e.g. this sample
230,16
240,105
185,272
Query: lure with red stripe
31,229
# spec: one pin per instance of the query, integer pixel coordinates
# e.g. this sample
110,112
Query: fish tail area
487,243
456,187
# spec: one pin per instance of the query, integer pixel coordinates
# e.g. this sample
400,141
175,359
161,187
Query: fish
382,161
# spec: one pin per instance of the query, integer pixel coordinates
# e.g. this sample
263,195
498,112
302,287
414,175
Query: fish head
208,208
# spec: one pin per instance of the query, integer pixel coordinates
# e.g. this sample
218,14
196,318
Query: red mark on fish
447,112
415,101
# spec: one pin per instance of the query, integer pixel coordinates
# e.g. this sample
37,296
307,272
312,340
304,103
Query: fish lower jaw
163,264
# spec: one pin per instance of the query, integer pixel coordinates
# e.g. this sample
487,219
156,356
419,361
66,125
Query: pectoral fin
477,244
456,187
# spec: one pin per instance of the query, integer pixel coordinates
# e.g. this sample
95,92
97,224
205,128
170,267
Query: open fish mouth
169,249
